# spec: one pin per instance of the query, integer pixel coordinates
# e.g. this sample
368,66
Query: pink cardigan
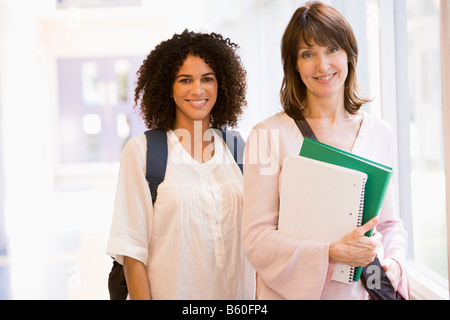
288,268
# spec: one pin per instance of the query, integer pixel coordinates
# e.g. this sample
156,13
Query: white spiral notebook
321,202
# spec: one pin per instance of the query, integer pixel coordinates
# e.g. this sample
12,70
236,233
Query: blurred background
67,75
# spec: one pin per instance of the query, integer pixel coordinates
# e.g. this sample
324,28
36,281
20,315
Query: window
427,152
407,46
96,99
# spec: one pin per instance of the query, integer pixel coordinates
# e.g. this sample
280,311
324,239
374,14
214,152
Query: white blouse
190,241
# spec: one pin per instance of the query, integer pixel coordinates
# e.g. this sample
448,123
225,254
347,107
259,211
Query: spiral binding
361,203
359,223
351,275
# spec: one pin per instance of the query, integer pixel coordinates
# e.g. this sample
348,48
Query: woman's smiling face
194,91
323,70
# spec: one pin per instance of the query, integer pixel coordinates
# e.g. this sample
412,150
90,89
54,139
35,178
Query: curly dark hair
157,74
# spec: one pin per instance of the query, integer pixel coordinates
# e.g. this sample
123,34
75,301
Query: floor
56,247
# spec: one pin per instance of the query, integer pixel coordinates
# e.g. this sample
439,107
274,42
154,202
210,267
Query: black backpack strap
156,159
157,153
305,129
117,284
236,145
155,171
377,283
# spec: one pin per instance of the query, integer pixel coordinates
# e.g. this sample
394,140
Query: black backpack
155,171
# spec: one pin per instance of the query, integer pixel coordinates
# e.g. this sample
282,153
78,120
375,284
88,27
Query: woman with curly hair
188,244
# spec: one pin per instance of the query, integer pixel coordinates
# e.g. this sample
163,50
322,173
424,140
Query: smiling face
194,92
323,70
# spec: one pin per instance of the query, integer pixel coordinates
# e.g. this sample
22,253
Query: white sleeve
133,210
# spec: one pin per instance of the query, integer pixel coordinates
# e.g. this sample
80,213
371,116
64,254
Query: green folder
378,177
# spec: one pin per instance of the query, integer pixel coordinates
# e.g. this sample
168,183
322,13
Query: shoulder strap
305,129
236,145
156,159
157,153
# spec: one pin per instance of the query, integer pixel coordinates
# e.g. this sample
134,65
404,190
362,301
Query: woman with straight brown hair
316,22
319,53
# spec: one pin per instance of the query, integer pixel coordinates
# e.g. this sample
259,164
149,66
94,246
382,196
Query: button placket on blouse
215,210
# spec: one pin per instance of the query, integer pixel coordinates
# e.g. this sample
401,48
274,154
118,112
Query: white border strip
445,57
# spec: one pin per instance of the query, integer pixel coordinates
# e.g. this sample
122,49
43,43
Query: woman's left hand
393,271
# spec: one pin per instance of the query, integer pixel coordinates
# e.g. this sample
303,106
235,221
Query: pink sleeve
292,268
394,239
394,235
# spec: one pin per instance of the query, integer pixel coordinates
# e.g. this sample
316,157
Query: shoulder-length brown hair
154,89
324,25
